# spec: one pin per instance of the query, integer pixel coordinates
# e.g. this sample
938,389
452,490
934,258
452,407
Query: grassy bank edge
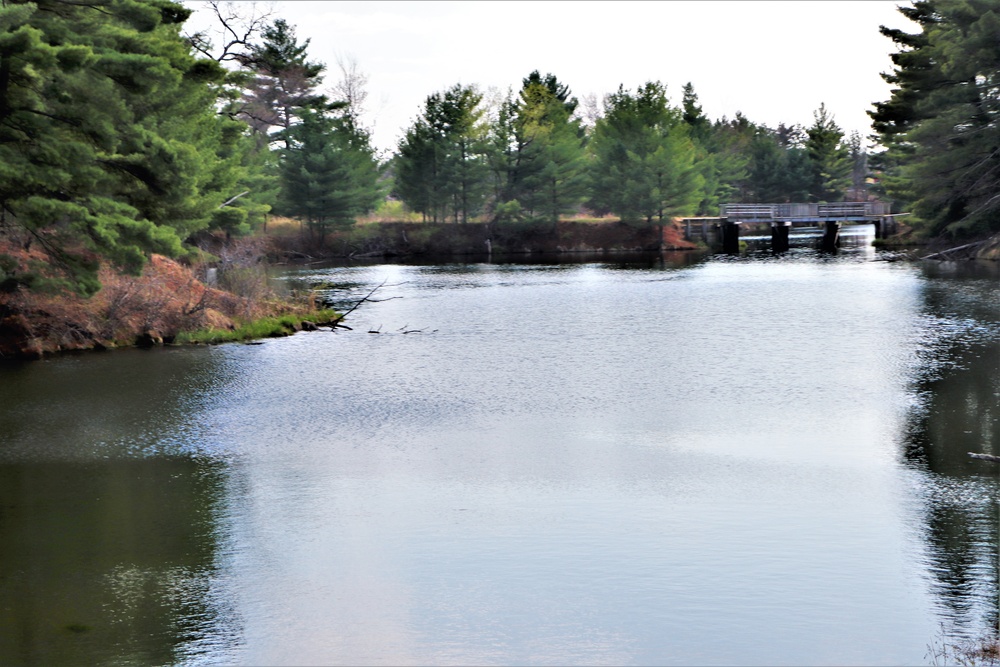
264,327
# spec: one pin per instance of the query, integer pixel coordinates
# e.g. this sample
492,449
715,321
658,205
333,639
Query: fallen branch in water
985,457
946,254
337,322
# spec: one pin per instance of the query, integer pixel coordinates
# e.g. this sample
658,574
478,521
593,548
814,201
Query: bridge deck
782,217
839,211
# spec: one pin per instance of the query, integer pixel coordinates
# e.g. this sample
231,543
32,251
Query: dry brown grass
281,226
391,210
154,307
589,218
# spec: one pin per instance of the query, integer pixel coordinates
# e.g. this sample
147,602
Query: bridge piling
885,227
730,232
779,235
831,235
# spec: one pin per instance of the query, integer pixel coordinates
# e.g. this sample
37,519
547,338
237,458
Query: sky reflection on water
739,462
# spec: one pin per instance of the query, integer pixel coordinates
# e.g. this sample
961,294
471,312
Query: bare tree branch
239,24
351,88
336,322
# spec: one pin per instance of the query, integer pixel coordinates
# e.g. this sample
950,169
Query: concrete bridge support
697,229
831,235
779,236
885,227
729,233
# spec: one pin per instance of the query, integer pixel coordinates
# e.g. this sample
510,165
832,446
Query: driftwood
946,254
337,322
985,457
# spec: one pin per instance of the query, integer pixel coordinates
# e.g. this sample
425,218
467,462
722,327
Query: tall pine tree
329,173
644,161
539,146
829,156
110,146
941,124
441,166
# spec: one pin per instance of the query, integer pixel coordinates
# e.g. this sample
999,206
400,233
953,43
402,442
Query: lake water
694,461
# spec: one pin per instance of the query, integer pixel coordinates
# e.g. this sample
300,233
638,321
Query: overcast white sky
775,61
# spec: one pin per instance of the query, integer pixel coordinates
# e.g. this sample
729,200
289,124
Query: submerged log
985,457
946,254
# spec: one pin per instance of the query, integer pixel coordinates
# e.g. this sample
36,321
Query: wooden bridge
782,217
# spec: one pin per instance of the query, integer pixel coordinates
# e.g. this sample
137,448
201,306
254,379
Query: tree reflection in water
958,412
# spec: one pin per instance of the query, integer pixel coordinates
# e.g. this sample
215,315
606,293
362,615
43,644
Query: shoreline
165,305
169,305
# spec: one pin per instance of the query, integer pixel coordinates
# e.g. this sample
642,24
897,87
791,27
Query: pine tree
110,146
779,171
546,170
693,115
329,173
503,152
418,182
441,166
940,124
465,165
644,160
284,85
723,155
830,158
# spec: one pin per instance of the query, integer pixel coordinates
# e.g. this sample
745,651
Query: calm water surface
730,461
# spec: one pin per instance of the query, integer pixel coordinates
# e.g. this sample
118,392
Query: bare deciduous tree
589,111
238,24
352,87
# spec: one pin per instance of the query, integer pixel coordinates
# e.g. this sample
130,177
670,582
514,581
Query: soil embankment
146,310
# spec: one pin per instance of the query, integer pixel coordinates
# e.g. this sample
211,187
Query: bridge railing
787,211
751,212
842,209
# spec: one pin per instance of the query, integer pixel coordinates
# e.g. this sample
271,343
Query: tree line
530,157
121,135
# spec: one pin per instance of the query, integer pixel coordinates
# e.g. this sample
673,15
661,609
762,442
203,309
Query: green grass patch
265,327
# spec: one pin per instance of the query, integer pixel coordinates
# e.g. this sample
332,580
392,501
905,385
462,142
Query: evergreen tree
238,29
465,166
859,166
778,171
830,158
540,146
558,90
723,154
329,173
110,146
644,160
765,182
441,167
255,191
693,116
503,153
940,126
418,181
283,86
